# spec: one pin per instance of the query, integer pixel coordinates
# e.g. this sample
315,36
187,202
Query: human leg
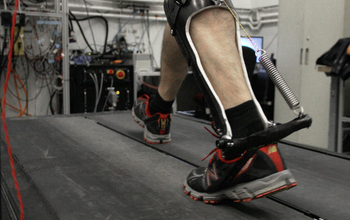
214,36
208,39
154,113
173,67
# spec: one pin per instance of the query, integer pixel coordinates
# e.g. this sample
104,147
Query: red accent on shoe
163,121
210,202
194,198
292,185
218,151
212,175
246,166
160,142
272,152
229,161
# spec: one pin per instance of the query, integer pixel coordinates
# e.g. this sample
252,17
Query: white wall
253,3
264,3
242,4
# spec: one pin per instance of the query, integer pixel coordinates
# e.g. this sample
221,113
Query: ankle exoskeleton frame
179,15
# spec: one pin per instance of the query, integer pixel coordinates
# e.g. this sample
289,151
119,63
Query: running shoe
252,175
156,126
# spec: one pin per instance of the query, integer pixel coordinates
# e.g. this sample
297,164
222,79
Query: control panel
97,88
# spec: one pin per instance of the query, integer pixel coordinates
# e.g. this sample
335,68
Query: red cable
9,64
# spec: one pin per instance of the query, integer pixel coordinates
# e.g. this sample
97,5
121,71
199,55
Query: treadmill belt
323,190
99,167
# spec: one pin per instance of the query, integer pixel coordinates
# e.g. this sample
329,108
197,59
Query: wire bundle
9,150
42,59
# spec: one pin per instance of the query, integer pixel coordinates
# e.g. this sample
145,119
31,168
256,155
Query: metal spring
279,82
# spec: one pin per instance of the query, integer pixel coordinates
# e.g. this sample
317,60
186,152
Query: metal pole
65,61
340,117
57,6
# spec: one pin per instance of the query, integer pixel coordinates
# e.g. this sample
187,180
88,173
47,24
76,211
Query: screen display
258,41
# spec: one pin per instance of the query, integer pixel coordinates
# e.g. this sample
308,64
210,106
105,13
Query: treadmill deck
97,166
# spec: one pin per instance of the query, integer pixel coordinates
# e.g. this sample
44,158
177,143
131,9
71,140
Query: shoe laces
215,135
214,128
216,150
211,152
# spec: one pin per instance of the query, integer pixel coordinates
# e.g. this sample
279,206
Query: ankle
158,105
244,120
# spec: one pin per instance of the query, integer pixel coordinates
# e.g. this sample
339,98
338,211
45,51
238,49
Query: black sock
244,119
157,104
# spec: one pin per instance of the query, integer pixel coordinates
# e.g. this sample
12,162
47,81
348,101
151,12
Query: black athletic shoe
262,174
156,127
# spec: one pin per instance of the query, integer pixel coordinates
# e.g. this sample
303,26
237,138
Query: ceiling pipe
117,16
109,9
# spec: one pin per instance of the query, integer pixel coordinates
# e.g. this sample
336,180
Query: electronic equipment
97,88
258,41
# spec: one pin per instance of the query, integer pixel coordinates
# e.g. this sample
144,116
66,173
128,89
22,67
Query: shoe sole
155,138
148,136
136,119
247,191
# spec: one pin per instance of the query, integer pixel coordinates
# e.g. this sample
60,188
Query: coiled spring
279,82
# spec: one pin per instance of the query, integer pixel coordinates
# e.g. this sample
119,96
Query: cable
146,84
100,92
149,42
121,28
16,78
5,5
50,103
31,99
268,46
92,33
94,78
9,150
13,107
25,5
109,94
141,38
107,31
81,30
93,17
19,7
146,30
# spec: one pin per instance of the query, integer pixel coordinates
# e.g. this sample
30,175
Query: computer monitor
258,41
